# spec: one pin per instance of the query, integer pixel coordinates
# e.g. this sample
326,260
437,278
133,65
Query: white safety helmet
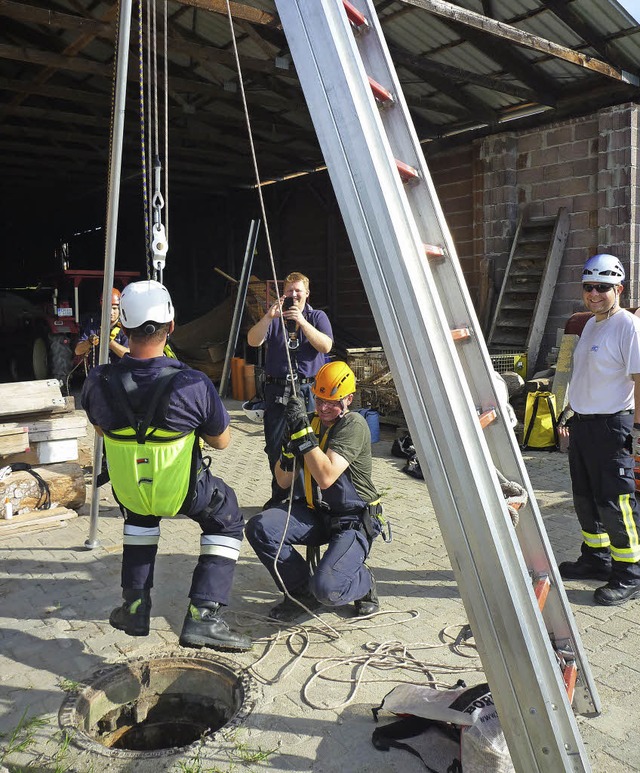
146,301
603,269
254,410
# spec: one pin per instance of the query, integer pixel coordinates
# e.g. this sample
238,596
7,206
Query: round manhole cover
157,706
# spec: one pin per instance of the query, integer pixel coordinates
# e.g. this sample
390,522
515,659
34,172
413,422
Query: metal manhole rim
69,713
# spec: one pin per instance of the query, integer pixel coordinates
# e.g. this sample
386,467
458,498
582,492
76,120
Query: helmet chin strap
615,305
343,408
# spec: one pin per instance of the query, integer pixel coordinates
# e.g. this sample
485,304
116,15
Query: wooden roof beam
528,40
238,11
53,19
56,61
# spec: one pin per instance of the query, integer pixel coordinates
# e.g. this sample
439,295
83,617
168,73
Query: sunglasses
598,288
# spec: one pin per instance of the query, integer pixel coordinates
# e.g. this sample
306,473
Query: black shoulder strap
532,421
123,387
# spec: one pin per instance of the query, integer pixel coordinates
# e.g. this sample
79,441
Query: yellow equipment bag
540,422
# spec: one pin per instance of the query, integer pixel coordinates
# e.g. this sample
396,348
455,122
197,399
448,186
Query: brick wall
589,166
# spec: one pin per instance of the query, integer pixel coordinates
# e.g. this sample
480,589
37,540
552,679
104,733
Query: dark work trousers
604,496
340,576
221,524
274,427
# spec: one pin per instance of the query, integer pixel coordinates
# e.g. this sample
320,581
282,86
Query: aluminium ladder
530,650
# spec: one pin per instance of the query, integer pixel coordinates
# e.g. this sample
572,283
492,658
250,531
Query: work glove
302,438
565,416
295,415
287,459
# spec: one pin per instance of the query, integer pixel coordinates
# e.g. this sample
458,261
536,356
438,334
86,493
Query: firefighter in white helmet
152,411
604,433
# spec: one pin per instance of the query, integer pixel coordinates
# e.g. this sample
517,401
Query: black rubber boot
585,568
368,604
616,592
288,610
134,615
203,627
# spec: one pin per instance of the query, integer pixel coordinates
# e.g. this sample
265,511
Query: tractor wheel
39,359
60,356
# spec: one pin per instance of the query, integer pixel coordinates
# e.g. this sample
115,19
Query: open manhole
157,706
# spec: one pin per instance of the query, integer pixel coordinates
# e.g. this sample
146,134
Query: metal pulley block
159,245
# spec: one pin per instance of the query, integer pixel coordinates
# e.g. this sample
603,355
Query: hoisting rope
301,641
283,329
155,231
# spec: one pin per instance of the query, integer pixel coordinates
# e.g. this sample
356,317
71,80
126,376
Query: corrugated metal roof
55,78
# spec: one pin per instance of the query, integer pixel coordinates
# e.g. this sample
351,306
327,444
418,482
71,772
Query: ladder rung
460,333
541,588
570,675
487,417
380,93
407,172
353,14
433,251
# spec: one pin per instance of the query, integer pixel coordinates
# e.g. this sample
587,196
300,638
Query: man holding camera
305,334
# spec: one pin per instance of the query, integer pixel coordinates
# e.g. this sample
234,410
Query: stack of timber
202,343
375,387
39,431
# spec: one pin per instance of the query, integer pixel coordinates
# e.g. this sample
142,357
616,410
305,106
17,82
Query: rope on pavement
378,656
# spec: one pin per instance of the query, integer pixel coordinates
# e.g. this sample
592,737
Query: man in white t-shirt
604,435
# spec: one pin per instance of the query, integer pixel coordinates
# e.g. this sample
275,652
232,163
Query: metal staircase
507,577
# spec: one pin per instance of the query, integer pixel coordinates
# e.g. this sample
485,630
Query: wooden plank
41,518
564,366
64,433
45,413
14,441
50,427
547,286
25,397
521,37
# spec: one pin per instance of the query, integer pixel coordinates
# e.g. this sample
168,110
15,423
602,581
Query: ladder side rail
548,281
442,414
505,452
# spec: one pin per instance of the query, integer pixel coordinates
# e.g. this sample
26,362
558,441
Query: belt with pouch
287,380
591,416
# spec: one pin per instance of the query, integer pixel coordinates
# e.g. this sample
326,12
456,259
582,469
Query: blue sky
633,6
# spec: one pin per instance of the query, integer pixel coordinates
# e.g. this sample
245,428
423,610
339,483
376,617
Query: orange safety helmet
334,381
115,297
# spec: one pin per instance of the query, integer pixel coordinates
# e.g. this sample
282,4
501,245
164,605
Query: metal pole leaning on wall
243,285
115,166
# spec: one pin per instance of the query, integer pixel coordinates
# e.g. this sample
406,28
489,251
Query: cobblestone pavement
56,596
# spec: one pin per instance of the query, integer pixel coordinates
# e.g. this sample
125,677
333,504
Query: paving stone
56,597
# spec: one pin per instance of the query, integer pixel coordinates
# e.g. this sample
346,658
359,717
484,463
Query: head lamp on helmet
603,269
334,381
146,301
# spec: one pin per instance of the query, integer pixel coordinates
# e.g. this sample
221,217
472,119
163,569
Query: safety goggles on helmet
334,381
603,268
146,301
